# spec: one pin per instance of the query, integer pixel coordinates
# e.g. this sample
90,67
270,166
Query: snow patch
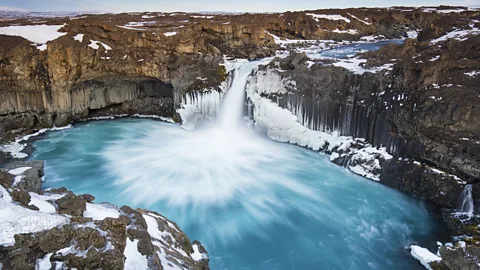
94,45
202,17
372,38
352,64
334,17
134,259
39,34
100,212
41,203
44,263
367,23
42,47
164,259
424,256
169,34
15,219
197,255
348,31
19,171
445,11
473,73
458,34
78,37
413,34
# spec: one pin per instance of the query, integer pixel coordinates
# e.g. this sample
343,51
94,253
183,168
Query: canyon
407,113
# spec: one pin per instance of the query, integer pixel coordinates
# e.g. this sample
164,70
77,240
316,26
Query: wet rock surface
91,241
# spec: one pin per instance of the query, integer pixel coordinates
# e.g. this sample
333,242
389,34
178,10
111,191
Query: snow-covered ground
333,17
15,219
134,259
424,256
38,34
100,212
458,34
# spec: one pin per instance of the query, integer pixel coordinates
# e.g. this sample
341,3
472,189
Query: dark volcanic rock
88,197
465,258
31,178
6,179
72,205
417,179
21,196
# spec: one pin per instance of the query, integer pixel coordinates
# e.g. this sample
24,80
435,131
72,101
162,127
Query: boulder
72,205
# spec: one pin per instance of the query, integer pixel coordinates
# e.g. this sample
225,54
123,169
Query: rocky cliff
152,59
417,99
44,229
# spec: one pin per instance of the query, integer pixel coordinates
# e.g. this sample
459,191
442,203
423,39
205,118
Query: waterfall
228,107
232,107
466,201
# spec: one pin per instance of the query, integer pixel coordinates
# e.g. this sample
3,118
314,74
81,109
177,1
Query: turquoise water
254,203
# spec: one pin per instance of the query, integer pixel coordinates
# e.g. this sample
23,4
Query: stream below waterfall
254,203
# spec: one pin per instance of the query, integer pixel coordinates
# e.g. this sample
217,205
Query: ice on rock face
284,126
197,105
268,81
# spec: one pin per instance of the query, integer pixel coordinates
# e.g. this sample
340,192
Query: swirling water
254,203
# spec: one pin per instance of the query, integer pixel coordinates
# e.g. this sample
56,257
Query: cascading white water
466,201
228,106
232,107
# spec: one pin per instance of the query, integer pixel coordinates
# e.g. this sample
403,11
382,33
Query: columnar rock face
60,230
417,99
113,59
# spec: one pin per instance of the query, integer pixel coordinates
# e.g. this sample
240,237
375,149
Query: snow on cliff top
334,17
458,34
35,33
